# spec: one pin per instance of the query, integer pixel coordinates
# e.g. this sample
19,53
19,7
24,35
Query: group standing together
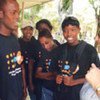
43,68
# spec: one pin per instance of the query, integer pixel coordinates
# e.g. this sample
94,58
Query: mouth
69,38
16,23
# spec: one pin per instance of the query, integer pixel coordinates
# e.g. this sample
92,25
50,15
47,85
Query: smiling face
10,15
27,33
70,33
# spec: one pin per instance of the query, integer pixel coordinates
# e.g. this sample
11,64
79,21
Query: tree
65,7
96,5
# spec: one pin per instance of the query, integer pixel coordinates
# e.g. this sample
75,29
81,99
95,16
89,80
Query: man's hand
24,94
31,87
68,80
93,76
59,79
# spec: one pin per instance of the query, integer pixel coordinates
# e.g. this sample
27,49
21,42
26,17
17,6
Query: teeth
70,38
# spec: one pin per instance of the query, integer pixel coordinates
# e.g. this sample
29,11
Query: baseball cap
26,24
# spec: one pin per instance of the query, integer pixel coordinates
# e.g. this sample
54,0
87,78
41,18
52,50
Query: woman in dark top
44,71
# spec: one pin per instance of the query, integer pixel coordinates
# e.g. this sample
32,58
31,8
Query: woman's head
46,39
43,24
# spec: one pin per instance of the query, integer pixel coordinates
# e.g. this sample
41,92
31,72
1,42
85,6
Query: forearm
42,75
30,71
78,81
23,76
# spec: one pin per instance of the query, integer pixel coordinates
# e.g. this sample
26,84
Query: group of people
43,67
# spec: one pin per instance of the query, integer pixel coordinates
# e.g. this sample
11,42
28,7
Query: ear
79,29
1,14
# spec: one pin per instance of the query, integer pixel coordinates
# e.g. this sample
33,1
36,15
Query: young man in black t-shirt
28,45
72,61
11,86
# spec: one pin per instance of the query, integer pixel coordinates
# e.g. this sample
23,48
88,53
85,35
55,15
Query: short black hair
45,33
2,3
70,21
43,21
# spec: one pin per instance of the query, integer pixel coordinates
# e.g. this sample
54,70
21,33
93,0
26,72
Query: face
10,15
46,43
97,39
44,26
70,33
27,33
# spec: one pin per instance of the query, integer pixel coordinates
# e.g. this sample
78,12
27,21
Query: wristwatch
98,90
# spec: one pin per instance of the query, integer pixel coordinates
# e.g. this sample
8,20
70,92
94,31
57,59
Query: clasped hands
65,79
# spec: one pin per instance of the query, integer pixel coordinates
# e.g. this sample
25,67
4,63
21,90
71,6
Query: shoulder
56,42
62,46
90,48
60,49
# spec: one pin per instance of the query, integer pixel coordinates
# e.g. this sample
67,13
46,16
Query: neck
4,31
75,43
26,39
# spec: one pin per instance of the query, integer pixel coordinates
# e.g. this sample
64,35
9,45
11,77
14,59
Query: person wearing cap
72,61
28,45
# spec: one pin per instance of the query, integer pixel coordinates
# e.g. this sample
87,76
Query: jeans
46,94
32,95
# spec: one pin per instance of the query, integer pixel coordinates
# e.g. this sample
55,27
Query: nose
69,33
46,47
17,16
28,34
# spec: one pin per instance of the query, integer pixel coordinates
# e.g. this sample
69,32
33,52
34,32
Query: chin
48,49
70,42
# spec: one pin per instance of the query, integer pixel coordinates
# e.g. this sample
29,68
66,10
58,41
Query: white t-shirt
87,93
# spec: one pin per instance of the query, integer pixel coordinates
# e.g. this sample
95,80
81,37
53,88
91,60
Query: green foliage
97,12
66,4
36,9
91,1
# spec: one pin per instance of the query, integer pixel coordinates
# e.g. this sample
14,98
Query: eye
13,12
65,31
73,29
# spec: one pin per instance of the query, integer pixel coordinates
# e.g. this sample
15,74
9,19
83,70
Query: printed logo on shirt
12,60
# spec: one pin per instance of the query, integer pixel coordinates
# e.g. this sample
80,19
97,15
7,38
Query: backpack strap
80,49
